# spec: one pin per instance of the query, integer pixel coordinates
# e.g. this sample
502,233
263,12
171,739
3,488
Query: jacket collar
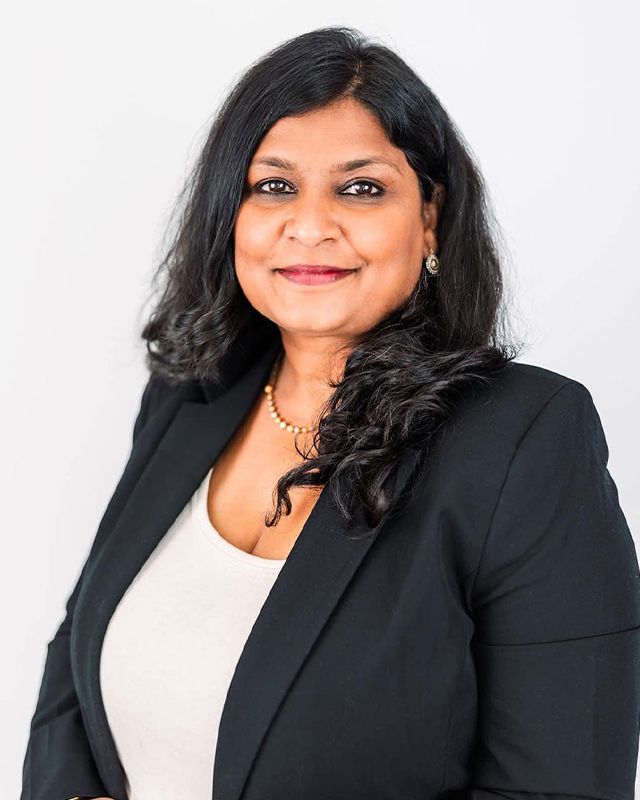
182,444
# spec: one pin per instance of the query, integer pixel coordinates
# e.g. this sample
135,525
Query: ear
431,215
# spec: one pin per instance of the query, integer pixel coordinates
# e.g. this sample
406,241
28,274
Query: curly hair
404,376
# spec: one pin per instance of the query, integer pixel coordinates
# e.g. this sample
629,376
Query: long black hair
403,377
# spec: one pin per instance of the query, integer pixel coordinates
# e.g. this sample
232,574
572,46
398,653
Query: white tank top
170,651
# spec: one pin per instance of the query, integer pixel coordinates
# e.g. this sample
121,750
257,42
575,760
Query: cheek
391,235
393,252
253,251
251,237
384,285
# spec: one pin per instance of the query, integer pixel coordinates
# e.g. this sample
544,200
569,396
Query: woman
357,550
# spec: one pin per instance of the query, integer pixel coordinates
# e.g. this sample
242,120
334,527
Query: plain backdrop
104,107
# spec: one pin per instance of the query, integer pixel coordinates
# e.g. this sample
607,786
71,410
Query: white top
170,651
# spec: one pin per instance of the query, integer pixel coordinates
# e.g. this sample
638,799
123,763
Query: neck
306,368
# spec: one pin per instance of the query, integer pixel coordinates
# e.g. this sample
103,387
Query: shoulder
160,391
523,404
531,384
540,402
515,397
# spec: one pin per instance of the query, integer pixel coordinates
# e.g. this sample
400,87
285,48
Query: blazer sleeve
58,762
556,606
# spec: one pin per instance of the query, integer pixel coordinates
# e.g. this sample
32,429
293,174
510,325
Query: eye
270,182
379,190
275,182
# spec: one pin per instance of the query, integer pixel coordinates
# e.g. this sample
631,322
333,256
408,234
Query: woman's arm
58,759
556,603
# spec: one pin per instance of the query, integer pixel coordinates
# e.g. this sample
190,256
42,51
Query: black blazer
482,642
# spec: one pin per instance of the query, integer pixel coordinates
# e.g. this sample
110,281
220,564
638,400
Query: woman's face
311,210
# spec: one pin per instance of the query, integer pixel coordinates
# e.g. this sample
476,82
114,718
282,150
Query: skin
311,214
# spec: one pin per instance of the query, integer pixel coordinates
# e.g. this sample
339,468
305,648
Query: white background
103,109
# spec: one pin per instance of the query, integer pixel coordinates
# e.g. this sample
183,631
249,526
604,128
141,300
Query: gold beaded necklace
273,409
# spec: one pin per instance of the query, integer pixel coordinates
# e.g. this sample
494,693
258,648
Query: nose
311,219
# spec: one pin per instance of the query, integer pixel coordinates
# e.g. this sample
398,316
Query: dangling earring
432,263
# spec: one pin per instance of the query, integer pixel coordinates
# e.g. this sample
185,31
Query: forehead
336,138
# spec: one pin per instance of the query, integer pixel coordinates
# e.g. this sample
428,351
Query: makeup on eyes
378,190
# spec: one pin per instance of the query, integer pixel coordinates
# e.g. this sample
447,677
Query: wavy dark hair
403,377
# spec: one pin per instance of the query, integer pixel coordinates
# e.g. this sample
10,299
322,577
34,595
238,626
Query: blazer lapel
319,568
320,565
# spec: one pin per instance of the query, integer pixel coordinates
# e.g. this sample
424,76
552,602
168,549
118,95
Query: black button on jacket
483,642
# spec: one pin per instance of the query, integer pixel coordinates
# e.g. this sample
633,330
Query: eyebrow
345,166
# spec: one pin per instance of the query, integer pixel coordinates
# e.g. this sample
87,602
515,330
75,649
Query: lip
313,275
316,268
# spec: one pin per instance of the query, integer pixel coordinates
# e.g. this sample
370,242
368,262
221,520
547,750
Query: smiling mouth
315,277
314,268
